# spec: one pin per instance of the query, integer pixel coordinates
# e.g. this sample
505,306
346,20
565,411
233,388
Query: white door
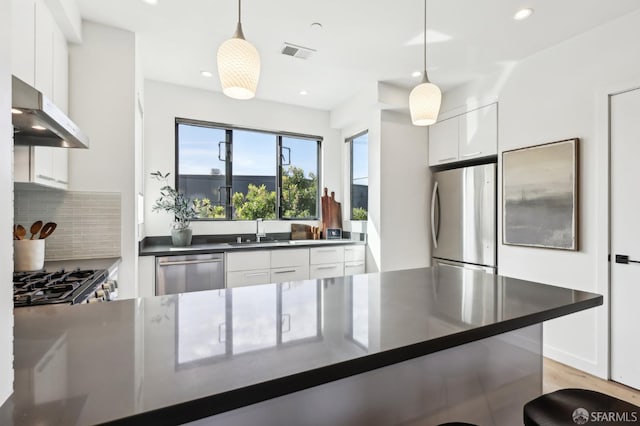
625,238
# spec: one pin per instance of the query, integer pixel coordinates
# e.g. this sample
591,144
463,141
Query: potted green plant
173,201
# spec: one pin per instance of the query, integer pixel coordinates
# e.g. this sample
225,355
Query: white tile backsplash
88,222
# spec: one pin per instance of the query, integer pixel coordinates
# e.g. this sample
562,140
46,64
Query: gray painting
540,195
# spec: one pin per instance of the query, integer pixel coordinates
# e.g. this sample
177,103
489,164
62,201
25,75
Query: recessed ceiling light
416,74
152,2
523,14
206,73
36,127
316,26
15,111
304,92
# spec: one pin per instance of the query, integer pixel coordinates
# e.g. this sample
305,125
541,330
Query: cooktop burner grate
42,287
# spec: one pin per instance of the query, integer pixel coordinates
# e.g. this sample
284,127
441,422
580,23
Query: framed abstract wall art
540,195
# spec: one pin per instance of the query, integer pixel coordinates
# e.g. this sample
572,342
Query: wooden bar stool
570,407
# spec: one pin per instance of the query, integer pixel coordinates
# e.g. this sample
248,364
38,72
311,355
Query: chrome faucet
260,229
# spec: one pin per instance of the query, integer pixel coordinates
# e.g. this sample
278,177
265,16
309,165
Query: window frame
350,140
279,136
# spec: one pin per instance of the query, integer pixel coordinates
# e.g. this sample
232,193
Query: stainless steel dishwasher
183,274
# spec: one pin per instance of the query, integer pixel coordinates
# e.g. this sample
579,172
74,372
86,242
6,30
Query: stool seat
457,424
570,407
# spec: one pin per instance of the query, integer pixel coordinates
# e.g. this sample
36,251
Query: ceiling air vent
296,51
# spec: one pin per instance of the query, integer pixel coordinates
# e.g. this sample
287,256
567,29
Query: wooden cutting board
331,211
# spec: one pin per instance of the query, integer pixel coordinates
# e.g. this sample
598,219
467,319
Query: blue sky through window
254,152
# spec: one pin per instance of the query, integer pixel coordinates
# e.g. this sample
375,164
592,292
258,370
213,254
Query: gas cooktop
70,287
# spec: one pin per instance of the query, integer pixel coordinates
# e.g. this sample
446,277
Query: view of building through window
237,174
359,176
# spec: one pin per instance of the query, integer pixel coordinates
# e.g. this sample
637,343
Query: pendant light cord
425,78
425,36
239,33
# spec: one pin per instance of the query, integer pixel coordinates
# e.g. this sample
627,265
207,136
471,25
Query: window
359,175
242,174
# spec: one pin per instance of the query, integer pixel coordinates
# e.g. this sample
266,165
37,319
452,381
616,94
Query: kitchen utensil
331,211
21,232
301,232
47,229
35,228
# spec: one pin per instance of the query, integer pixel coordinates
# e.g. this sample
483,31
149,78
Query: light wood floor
558,376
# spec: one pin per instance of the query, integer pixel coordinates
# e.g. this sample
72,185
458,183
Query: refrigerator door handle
434,234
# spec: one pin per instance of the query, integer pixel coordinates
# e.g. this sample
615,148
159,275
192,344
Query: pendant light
238,65
425,98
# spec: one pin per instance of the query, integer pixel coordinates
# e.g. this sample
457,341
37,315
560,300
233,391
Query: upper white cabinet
40,57
42,165
23,15
464,137
44,30
443,141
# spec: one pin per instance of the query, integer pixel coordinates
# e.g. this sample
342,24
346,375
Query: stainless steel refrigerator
463,217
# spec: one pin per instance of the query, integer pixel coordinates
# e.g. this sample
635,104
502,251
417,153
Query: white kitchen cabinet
44,31
479,133
464,137
290,273
289,257
60,70
327,270
248,260
146,276
326,262
354,253
41,58
331,254
23,14
42,165
354,260
248,268
289,265
354,268
443,141
249,277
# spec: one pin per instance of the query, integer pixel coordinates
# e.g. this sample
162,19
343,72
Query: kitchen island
420,346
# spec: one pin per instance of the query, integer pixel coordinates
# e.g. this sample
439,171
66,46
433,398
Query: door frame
603,249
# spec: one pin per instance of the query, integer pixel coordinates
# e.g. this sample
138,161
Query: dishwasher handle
190,262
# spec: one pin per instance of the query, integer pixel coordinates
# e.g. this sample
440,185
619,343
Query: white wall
399,180
102,101
6,212
555,95
404,193
164,102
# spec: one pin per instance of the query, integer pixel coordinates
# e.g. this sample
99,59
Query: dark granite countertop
174,359
213,247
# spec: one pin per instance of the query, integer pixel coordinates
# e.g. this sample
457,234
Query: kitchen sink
258,243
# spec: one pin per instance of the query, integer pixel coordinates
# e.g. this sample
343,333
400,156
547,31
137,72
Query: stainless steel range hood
37,121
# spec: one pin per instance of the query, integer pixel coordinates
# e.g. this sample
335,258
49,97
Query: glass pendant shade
424,103
239,68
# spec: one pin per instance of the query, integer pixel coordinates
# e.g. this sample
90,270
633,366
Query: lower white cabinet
248,268
292,264
251,277
354,260
353,268
326,262
326,270
290,273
